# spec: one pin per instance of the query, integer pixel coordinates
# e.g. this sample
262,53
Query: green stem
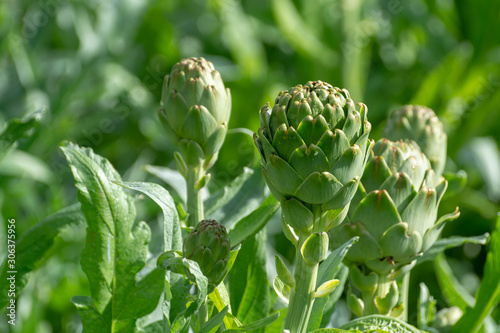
194,199
301,300
405,287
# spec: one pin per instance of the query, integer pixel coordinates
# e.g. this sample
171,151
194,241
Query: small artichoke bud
446,318
195,109
209,245
313,143
419,124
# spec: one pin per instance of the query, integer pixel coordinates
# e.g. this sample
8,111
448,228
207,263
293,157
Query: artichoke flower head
209,245
195,109
395,210
313,144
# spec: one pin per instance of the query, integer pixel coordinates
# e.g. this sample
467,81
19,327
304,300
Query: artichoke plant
209,245
394,215
195,110
420,124
313,144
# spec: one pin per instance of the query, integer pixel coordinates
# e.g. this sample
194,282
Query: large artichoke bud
209,245
420,124
313,144
394,214
195,109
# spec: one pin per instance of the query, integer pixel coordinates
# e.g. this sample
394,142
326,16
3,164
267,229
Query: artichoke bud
209,245
195,109
315,248
421,125
446,318
313,143
395,214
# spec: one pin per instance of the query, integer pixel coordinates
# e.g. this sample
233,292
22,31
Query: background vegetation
96,67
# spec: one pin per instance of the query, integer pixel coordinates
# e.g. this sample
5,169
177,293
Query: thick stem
301,300
194,199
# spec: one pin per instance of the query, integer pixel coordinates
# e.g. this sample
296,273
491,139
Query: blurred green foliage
97,66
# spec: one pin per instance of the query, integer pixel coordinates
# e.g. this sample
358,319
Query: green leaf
191,269
17,129
426,307
252,223
298,33
33,247
328,270
451,288
171,177
330,265
283,273
258,324
172,236
282,289
242,202
225,194
488,294
332,299
220,298
379,322
116,247
248,282
448,243
213,324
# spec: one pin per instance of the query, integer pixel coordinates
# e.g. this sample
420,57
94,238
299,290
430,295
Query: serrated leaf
488,294
252,223
116,247
379,322
191,269
172,237
33,246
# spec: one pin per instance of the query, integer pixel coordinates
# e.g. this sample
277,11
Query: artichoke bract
313,144
195,109
209,245
394,215
420,124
